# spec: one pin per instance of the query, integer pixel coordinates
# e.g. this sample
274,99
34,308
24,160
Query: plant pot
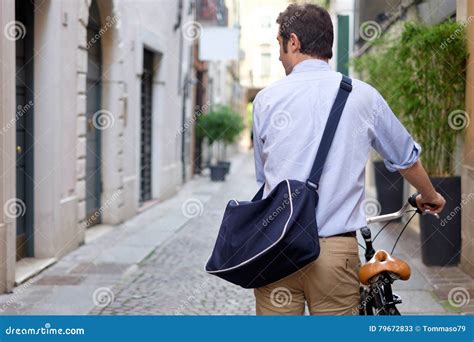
441,238
225,164
218,173
389,186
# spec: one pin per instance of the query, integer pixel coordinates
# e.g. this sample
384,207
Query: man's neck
306,58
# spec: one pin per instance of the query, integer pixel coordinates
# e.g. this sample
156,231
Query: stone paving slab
414,300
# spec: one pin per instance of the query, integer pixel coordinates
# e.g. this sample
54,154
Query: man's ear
294,43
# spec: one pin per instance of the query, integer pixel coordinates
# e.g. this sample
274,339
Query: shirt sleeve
391,139
257,144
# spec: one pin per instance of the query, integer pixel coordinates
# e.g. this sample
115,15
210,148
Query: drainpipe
183,128
179,17
181,90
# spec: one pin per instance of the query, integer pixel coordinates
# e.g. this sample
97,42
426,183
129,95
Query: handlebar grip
412,201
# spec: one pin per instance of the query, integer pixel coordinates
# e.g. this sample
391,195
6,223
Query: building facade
94,96
260,65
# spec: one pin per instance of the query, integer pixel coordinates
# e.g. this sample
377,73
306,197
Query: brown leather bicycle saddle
382,261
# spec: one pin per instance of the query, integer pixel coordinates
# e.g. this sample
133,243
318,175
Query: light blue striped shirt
288,121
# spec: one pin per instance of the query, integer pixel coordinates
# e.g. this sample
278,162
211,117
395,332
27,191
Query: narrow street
153,264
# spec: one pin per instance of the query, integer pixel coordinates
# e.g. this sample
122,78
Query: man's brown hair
313,27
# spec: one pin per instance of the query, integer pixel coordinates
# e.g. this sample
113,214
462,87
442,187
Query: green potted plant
220,126
424,82
373,68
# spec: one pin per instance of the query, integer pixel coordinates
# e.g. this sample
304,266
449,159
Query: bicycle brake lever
427,211
412,201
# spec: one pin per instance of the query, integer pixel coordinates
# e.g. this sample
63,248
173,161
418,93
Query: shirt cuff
412,159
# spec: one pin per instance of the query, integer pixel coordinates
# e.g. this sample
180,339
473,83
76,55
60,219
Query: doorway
93,107
24,202
146,127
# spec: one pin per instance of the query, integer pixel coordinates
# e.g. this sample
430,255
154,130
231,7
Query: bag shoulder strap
329,131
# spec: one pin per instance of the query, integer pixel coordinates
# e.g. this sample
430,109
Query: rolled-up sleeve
257,144
391,139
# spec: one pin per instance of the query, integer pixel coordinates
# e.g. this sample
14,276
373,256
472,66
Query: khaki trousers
329,285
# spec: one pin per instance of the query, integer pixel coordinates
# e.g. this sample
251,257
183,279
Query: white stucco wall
7,146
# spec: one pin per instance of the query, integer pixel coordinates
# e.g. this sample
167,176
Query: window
265,68
266,22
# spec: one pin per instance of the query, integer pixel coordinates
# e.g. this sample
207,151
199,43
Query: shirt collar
311,65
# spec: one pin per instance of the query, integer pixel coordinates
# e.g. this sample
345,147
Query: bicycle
381,268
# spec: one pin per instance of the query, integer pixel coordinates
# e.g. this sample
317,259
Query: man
289,118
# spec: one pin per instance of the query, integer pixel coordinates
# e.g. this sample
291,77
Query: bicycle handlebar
389,217
393,216
366,233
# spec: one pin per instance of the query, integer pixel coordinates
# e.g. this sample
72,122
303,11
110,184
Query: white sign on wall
219,44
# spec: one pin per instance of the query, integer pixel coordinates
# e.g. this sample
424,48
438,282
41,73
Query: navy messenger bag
265,240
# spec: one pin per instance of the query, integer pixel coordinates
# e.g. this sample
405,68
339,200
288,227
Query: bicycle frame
378,298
